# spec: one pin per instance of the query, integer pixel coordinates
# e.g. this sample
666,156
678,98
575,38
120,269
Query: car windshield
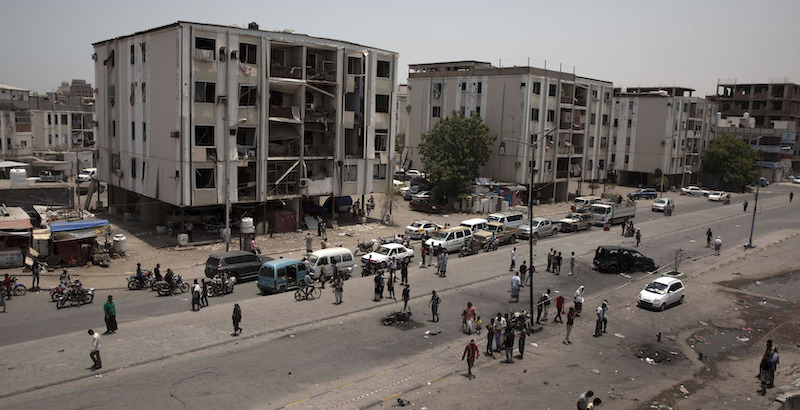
383,251
525,226
416,225
266,271
313,259
492,228
600,210
574,216
661,201
212,262
717,194
656,287
439,236
494,219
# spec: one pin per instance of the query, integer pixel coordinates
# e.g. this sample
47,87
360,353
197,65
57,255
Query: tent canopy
77,225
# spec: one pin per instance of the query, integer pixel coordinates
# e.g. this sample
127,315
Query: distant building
774,145
565,115
191,115
770,105
78,88
662,128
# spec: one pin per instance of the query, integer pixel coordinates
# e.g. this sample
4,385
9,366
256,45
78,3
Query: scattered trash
758,282
742,339
612,386
702,323
673,353
736,273
534,344
684,390
291,335
649,360
98,376
763,302
619,335
595,371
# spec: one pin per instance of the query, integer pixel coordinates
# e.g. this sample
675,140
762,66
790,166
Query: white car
87,174
541,227
422,195
661,204
694,191
419,229
413,173
717,196
662,292
796,181
384,254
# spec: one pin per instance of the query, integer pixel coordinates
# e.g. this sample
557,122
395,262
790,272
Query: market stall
15,236
75,241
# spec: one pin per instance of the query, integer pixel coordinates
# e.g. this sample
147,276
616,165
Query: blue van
281,275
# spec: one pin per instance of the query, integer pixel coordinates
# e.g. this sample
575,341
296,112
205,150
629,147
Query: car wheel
554,232
680,302
536,236
612,269
663,307
513,239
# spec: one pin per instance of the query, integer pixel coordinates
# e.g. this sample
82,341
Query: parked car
424,184
508,218
242,265
386,252
422,195
424,205
662,292
576,222
647,193
661,204
501,233
791,178
52,176
694,191
796,181
343,203
541,227
421,228
413,173
409,194
614,259
87,174
761,181
718,196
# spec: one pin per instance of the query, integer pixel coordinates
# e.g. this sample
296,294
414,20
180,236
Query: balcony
320,115
321,150
246,153
284,113
284,149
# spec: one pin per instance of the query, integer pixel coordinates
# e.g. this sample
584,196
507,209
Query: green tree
399,142
658,176
453,152
731,161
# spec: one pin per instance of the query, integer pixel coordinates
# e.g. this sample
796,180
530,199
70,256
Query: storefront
75,241
15,236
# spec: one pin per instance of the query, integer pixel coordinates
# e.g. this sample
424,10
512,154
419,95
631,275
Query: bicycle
314,292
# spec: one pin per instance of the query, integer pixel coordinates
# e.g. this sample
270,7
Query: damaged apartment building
565,117
194,115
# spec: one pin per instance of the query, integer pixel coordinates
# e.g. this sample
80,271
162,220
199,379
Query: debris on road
619,335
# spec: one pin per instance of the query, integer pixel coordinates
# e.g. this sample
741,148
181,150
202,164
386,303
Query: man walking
545,305
337,289
605,315
499,330
559,308
95,352
549,260
470,353
196,296
489,338
531,270
558,263
309,238
572,264
570,322
471,313
204,295
110,315
717,245
709,237
443,264
237,318
406,297
513,259
515,284
578,299
404,272
744,206
434,304
638,236
35,274
598,326
523,269
791,196
523,333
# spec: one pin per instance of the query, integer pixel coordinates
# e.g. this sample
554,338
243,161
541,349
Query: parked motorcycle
74,296
17,288
219,286
364,247
163,286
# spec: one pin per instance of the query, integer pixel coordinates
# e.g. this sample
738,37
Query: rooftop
8,87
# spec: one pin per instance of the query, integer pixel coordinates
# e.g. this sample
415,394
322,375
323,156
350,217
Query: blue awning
76,225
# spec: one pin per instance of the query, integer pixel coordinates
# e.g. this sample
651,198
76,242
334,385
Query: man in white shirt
513,259
95,352
717,245
515,284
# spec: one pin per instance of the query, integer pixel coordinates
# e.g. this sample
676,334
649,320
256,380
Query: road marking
343,386
394,396
384,372
298,402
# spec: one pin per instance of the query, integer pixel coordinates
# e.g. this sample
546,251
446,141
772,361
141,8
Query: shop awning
77,225
78,230
18,225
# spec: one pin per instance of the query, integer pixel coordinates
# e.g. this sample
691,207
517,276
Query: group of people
554,261
766,369
429,254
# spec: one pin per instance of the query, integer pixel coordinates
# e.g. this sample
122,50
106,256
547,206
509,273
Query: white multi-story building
660,128
566,118
193,114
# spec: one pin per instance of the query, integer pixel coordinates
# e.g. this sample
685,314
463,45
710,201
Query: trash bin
183,239
120,243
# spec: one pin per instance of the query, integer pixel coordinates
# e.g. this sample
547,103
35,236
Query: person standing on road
709,237
196,296
390,284
744,206
791,196
110,315
531,270
437,254
513,259
309,238
515,284
35,275
717,245
583,400
471,314
523,269
508,343
406,297
578,299
3,297
638,236
550,258
545,305
471,353
423,250
489,339
523,333
598,327
382,278
404,272
605,315
434,304
95,352
377,280
157,273
572,264
499,329
443,263
570,322
204,294
236,317
559,259
559,308
338,287
774,361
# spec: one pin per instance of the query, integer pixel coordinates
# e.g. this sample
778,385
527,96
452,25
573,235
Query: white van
450,239
508,218
342,256
582,203
475,224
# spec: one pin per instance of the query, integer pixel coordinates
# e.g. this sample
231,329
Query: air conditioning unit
304,182
175,134
222,99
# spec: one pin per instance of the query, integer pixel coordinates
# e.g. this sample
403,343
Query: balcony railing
278,70
320,115
325,150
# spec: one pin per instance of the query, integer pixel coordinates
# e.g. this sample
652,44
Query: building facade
662,128
774,145
767,104
565,119
193,115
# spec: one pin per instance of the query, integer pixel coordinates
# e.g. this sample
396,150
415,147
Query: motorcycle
74,295
668,211
163,287
147,281
490,245
57,291
17,288
364,247
219,286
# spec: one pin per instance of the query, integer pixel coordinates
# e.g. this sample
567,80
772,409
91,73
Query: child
464,327
478,324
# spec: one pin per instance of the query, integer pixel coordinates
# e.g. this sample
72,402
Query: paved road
256,371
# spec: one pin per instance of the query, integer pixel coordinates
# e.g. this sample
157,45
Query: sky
690,43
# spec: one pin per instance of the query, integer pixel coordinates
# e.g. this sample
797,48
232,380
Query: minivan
475,224
614,259
343,203
281,275
582,203
508,218
342,256
242,265
450,239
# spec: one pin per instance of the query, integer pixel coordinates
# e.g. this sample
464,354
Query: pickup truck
241,264
694,191
576,222
612,213
52,176
502,233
